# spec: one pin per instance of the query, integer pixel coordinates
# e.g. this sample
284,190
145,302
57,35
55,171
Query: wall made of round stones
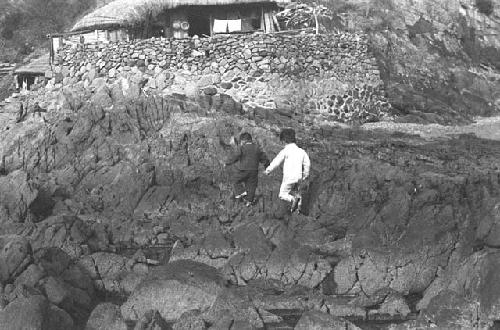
331,75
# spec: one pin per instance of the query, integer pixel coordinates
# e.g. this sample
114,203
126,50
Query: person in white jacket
295,168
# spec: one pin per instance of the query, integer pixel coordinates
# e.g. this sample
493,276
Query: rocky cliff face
396,226
115,210
439,60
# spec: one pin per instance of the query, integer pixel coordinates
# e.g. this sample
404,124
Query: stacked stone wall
332,75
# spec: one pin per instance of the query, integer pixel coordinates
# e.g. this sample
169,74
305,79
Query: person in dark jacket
246,177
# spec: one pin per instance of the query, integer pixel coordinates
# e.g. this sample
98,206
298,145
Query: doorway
199,23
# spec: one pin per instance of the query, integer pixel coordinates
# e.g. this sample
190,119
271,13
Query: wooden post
269,22
275,21
211,25
262,21
51,52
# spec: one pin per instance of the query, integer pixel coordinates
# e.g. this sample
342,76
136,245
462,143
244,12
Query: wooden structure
34,72
136,19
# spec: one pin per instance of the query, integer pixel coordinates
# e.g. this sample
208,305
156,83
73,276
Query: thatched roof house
182,18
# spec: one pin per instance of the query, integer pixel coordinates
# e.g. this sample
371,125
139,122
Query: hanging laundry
234,25
220,26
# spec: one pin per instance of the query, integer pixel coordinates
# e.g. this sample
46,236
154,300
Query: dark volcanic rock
151,320
15,256
111,273
34,313
489,228
16,196
31,276
236,304
323,321
190,320
389,216
472,284
69,233
106,316
451,310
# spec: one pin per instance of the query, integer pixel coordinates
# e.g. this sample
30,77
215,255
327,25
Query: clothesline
222,26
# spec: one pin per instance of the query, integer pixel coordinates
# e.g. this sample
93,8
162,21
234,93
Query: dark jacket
249,156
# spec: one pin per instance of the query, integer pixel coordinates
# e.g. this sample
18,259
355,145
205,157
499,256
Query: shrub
485,6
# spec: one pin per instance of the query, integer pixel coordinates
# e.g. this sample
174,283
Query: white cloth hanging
234,25
220,26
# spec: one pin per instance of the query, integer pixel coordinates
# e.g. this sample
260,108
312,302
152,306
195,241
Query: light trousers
286,187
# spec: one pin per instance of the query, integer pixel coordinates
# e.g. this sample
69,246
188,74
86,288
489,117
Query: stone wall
331,76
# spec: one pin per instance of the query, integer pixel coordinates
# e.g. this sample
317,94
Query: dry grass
129,12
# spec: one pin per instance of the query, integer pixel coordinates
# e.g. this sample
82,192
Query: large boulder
238,305
472,282
114,189
106,316
174,289
15,256
450,310
488,230
213,250
290,262
34,313
467,294
16,195
69,233
73,300
113,273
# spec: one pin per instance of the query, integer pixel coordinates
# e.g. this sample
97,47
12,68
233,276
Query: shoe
249,203
240,196
295,203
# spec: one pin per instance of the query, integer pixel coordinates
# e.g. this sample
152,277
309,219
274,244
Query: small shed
33,72
181,18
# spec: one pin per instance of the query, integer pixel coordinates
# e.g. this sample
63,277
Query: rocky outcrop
438,60
249,255
16,196
113,274
488,231
174,289
467,284
106,316
15,256
35,313
322,321
388,218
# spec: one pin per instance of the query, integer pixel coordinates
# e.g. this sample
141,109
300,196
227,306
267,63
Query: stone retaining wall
332,75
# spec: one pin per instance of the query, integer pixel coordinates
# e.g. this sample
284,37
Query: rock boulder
174,289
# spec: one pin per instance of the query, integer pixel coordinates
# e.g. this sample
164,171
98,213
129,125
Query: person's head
245,137
287,135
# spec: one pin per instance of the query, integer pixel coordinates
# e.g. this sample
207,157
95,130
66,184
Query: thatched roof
128,12
37,66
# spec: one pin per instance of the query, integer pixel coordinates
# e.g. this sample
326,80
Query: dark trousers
246,180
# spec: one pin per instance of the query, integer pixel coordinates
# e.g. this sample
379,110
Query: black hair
287,135
246,137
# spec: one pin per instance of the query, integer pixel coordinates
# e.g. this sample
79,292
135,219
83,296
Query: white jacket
296,166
